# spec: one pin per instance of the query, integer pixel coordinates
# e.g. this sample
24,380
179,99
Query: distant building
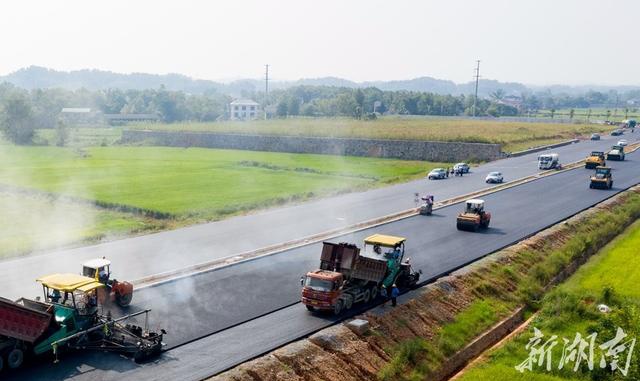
513,101
78,115
120,119
244,109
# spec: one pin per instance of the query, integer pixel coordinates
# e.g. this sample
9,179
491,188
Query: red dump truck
347,275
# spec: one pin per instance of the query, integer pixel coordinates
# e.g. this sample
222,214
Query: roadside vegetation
611,277
521,277
31,222
514,136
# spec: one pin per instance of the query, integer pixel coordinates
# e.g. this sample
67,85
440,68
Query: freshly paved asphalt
138,257
194,307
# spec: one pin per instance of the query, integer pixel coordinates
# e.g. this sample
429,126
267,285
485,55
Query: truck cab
616,153
595,159
548,161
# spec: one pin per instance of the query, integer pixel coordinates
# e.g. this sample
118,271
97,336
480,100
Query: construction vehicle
549,161
347,276
114,290
426,208
68,318
616,153
473,217
602,179
595,159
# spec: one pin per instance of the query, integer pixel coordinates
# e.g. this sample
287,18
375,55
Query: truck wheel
349,303
337,309
366,296
15,358
590,186
611,185
311,308
374,292
124,300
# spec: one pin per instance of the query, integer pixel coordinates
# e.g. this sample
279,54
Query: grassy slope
32,222
612,277
191,181
513,135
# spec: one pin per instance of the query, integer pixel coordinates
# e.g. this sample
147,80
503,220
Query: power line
266,89
477,77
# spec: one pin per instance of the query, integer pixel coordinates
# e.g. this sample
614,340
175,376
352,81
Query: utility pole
477,77
266,89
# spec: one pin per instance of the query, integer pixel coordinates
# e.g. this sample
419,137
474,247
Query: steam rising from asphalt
33,222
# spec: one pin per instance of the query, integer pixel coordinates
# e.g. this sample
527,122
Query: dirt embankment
407,342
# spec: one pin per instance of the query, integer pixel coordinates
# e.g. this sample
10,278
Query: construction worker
385,295
394,295
447,172
55,296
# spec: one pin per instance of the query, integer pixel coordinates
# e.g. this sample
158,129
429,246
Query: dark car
616,132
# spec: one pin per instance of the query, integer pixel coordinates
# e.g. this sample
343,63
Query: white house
243,109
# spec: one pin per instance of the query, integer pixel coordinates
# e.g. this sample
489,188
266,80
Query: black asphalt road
200,305
137,257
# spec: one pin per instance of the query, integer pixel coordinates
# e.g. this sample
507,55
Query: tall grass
512,135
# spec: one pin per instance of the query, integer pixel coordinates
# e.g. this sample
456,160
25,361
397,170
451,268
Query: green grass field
610,277
513,136
200,182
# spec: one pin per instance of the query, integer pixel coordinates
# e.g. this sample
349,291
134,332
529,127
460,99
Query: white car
622,142
494,178
437,173
464,167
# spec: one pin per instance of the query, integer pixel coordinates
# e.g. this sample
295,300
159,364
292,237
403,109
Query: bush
16,121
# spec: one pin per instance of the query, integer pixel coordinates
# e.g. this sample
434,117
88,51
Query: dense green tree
16,120
293,107
283,109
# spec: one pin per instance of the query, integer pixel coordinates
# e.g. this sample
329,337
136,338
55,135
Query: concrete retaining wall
395,149
543,148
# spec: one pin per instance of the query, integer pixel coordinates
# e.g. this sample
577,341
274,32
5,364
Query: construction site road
204,314
143,256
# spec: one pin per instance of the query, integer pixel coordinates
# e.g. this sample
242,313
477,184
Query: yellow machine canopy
384,240
69,282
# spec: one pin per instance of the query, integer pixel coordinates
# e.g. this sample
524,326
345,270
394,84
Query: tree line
22,111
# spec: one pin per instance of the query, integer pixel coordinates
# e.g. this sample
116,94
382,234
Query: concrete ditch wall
393,149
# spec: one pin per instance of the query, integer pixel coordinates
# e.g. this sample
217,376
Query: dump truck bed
24,319
347,260
370,269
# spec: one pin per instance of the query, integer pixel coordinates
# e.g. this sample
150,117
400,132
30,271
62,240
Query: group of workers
395,292
454,172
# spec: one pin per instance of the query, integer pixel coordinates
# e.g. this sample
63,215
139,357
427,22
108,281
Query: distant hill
40,77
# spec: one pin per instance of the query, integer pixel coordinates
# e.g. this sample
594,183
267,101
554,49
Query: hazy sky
530,41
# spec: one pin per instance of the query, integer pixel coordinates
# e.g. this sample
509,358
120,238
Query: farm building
243,109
